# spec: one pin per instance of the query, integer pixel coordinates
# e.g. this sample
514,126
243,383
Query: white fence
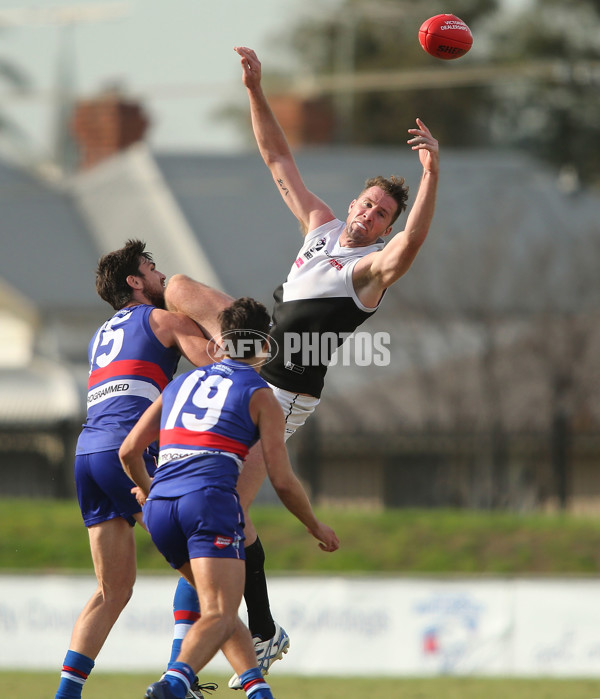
338,625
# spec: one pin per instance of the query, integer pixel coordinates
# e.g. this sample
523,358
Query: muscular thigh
104,489
220,584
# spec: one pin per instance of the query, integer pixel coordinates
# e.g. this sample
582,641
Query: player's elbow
276,159
127,454
283,485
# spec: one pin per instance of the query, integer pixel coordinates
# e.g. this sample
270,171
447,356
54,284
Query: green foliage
370,37
46,535
557,119
553,114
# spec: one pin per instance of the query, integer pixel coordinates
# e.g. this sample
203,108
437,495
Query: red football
445,36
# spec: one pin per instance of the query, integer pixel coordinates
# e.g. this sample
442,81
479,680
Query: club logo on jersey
243,344
311,252
319,245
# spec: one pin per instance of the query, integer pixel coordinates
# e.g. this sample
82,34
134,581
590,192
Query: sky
177,55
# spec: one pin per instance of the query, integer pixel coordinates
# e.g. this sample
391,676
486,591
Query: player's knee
122,597
173,290
223,623
115,595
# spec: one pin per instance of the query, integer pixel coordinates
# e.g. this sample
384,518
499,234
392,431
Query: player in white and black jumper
336,282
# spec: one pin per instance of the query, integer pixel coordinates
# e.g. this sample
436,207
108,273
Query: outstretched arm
268,415
379,270
310,211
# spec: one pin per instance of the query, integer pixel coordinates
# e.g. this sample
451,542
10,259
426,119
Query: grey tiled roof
503,238
46,251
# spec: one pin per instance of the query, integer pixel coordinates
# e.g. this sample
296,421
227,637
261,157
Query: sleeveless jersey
317,297
206,430
129,368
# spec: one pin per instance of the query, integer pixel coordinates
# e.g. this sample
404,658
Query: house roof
500,217
498,214
503,238
47,255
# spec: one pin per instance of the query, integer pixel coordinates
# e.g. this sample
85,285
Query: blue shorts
104,489
206,523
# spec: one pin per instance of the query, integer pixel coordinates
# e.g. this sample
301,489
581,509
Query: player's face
154,283
369,217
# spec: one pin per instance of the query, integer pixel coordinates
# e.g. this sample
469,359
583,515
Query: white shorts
296,408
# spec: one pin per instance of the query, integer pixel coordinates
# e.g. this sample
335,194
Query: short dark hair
245,319
395,187
113,270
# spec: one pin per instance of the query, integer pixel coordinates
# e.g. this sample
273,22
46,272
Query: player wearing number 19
132,357
207,420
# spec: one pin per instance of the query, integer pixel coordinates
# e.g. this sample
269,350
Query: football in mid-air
445,36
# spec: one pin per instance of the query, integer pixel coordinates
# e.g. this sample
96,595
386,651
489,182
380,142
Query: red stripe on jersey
129,367
211,440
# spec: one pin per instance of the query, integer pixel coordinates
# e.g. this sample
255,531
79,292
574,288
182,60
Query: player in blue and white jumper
132,357
206,421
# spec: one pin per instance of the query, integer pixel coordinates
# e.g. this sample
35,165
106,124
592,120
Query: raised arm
267,414
310,211
379,270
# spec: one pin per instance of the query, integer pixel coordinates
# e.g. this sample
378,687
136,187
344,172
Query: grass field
48,536
104,686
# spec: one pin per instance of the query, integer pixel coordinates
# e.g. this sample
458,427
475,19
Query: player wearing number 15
132,357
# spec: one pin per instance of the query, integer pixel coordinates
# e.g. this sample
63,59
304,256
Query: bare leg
112,544
219,584
251,478
239,649
200,302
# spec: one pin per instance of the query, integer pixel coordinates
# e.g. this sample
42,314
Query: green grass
47,536
99,686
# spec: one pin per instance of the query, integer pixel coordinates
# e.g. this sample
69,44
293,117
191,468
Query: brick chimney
105,125
305,121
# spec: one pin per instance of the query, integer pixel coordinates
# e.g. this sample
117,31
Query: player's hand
139,495
326,537
251,68
426,145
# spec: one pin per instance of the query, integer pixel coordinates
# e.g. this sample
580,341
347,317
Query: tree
529,83
558,120
366,37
